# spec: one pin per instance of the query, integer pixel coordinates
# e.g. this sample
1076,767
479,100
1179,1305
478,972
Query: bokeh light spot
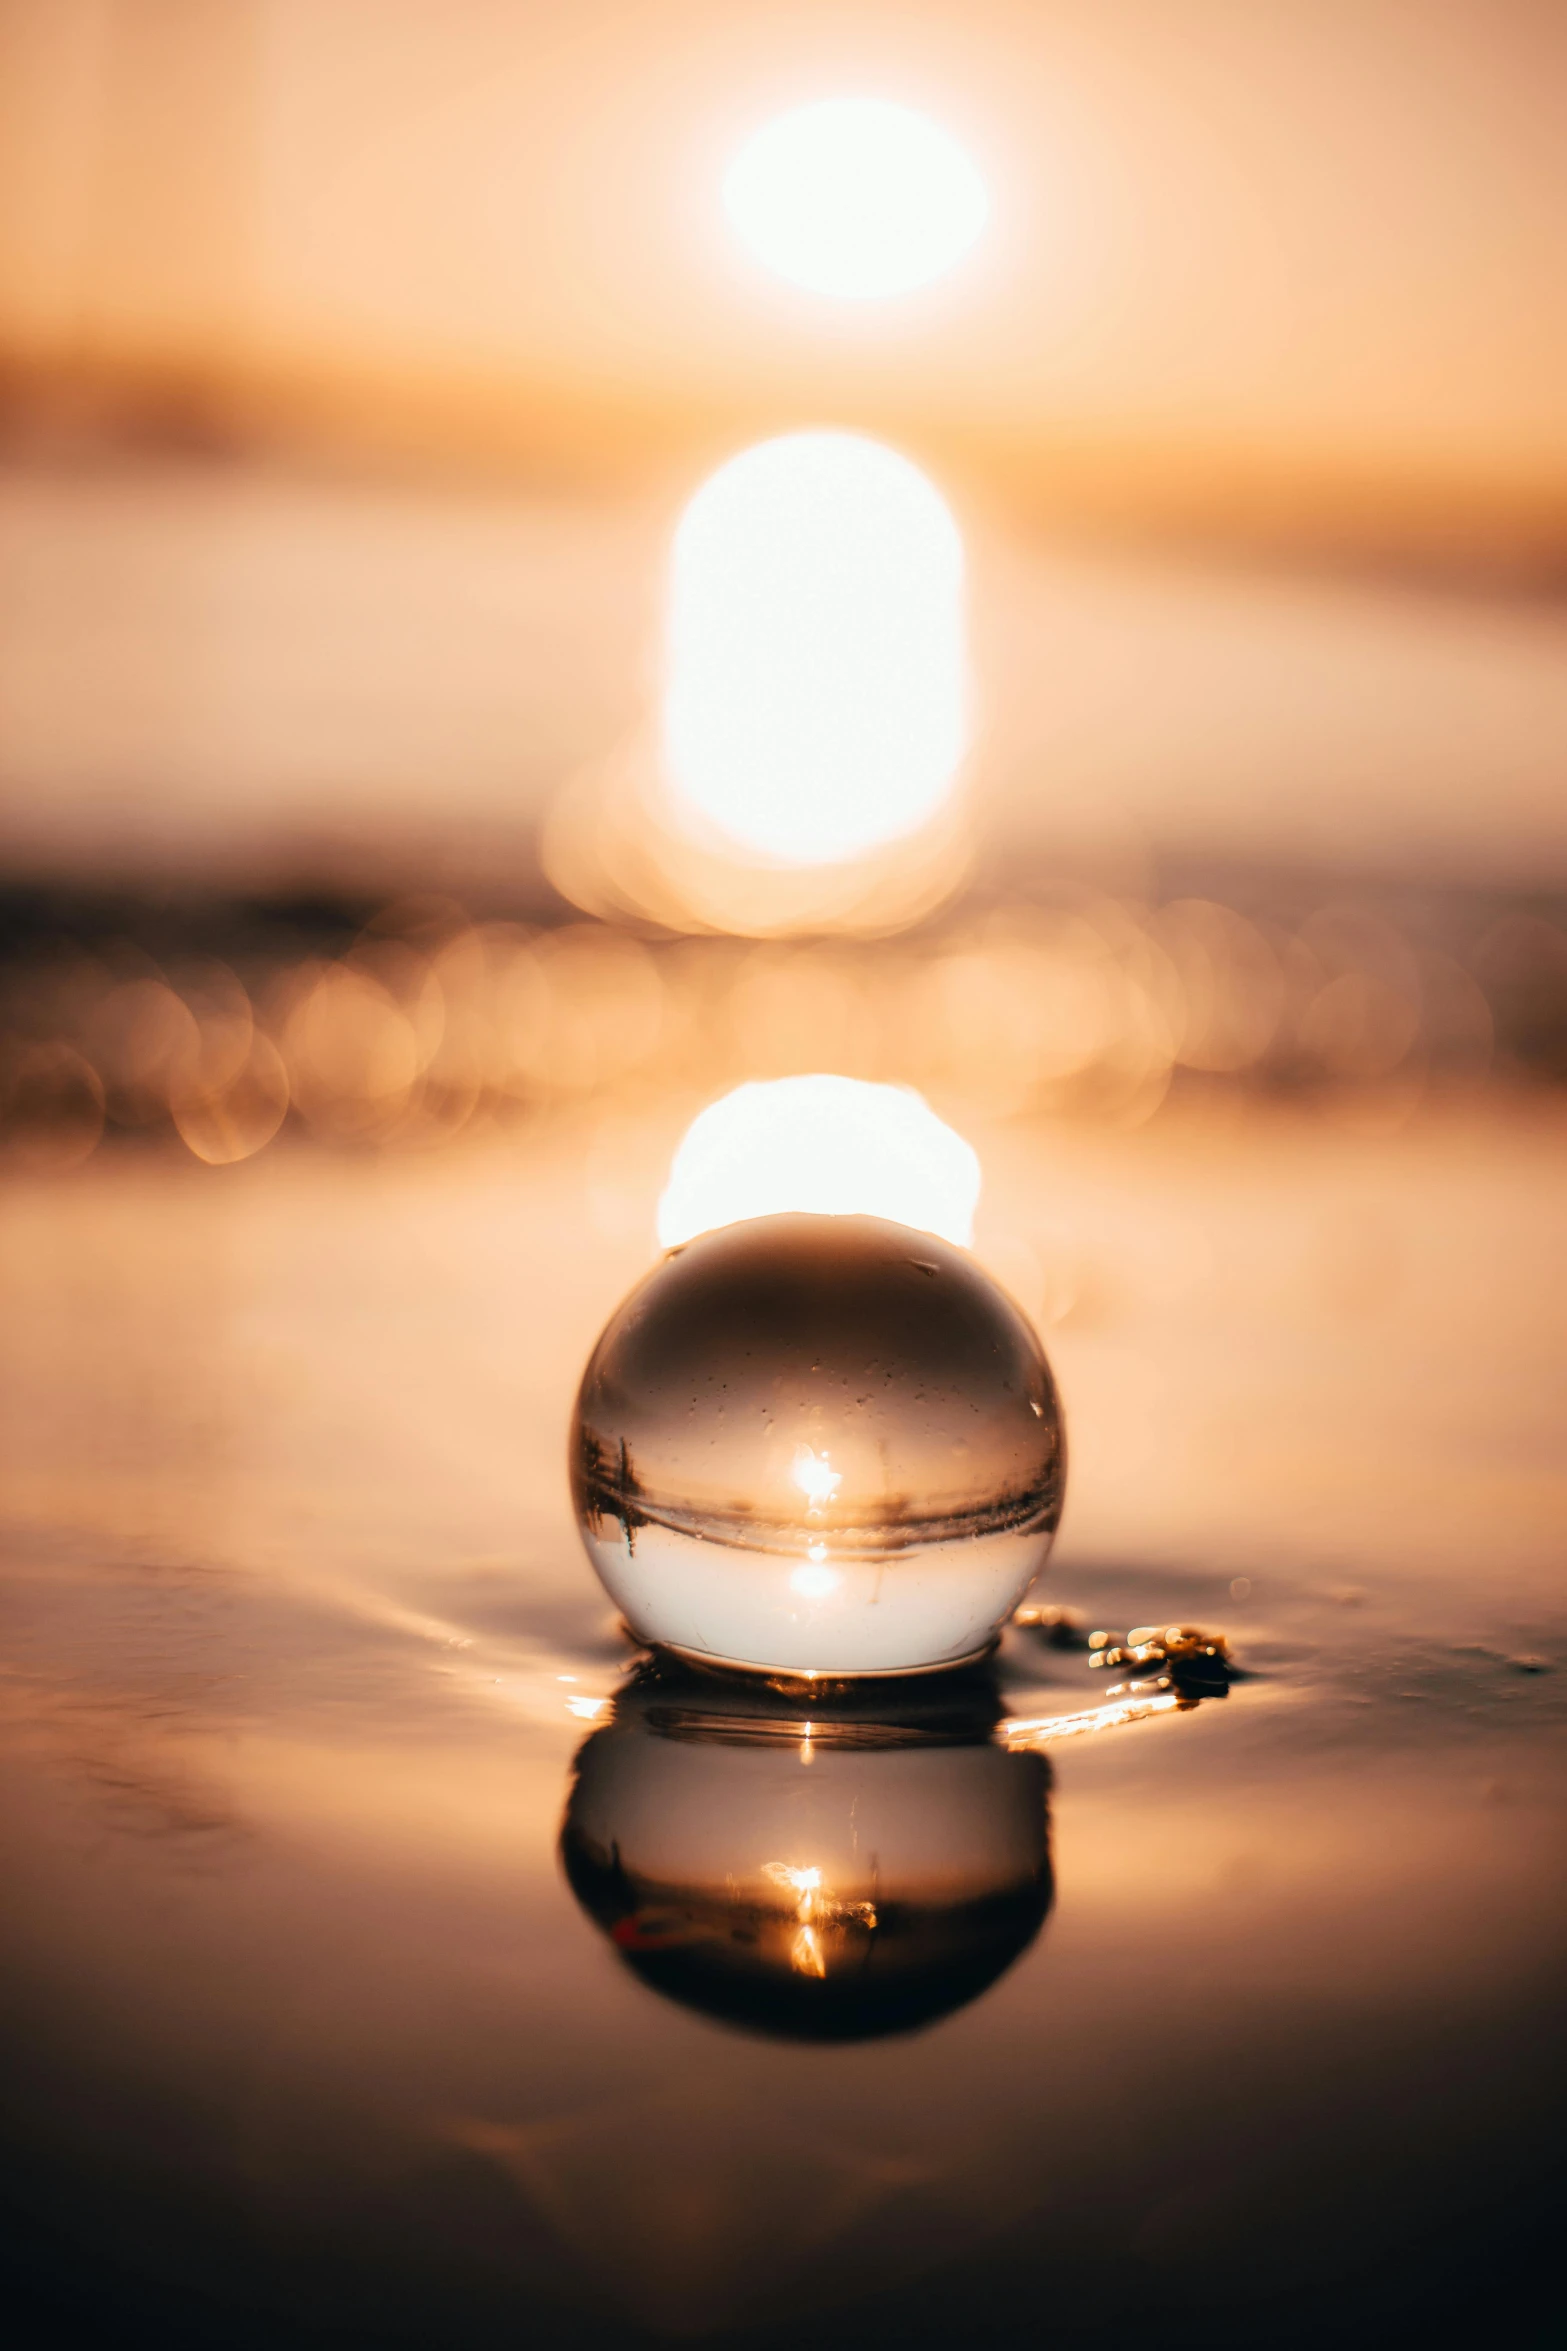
815,700
822,1146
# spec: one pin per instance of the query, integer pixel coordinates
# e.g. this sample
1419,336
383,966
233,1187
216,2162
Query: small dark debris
1182,1657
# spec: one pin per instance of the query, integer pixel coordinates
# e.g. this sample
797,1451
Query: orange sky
1301,259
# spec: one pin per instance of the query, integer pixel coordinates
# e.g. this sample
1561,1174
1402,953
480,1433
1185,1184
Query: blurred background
559,559
358,363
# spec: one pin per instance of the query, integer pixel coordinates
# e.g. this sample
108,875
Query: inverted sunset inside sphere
817,1874
818,1445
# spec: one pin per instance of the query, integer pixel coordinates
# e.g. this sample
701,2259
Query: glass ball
827,1445
818,1871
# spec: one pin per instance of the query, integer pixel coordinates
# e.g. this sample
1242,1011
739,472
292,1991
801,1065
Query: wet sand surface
308,2038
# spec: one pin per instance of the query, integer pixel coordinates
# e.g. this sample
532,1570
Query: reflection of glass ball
818,1444
860,1871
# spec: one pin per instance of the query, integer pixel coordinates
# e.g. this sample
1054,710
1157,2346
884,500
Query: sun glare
821,1146
855,198
815,690
814,1474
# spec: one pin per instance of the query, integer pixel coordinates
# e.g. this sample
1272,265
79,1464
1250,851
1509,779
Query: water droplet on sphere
887,1475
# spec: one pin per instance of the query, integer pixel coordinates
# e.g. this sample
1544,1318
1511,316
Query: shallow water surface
389,1960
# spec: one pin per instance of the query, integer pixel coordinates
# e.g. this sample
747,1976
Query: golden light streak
805,1954
1047,1729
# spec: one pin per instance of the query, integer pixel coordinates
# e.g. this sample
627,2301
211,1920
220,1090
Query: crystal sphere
817,1871
827,1445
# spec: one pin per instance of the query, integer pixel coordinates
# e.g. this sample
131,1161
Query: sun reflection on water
815,700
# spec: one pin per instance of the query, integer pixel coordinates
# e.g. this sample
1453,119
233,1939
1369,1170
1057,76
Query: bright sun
856,197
